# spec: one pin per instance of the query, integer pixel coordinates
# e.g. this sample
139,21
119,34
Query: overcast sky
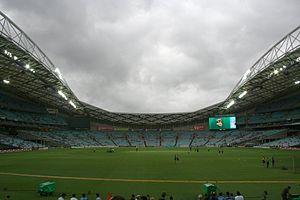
153,55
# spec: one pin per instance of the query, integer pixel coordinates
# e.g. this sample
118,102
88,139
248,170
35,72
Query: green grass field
147,171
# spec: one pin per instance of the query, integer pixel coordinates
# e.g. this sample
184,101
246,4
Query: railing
12,32
286,45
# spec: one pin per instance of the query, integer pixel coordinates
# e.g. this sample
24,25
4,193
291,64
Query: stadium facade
35,96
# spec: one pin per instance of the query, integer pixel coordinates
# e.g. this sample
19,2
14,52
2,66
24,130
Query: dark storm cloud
153,56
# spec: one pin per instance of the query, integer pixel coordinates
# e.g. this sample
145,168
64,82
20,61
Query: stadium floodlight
281,69
243,94
298,59
58,73
27,66
284,66
276,71
62,94
270,75
72,104
230,104
297,82
7,53
6,81
15,58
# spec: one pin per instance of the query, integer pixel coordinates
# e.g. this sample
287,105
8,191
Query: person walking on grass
273,161
263,160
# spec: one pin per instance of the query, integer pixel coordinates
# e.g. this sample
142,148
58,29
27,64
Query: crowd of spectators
164,196
285,195
221,196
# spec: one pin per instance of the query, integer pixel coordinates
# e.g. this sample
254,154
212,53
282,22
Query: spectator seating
284,142
16,103
31,118
150,138
184,138
18,143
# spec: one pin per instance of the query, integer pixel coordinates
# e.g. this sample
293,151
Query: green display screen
222,123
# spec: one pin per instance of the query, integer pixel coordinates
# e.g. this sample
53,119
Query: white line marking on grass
153,180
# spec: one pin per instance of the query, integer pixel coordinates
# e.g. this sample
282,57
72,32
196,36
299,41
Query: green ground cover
228,171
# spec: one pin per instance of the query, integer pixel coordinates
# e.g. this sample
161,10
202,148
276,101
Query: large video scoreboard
222,123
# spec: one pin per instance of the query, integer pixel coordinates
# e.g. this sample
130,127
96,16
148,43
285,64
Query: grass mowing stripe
151,181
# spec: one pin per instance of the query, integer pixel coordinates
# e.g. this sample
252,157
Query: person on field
268,163
273,161
263,160
62,196
98,196
285,193
238,196
73,197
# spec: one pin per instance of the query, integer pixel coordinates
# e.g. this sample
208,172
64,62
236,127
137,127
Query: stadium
48,134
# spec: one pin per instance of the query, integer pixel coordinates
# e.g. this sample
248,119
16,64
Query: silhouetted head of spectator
143,198
118,198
